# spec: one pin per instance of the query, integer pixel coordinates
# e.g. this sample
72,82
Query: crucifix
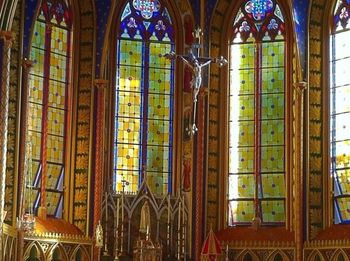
196,63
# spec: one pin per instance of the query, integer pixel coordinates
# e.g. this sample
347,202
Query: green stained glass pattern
272,106
273,80
58,68
159,106
272,159
273,185
57,93
131,176
157,159
245,132
272,132
273,54
52,201
38,40
55,148
53,176
243,81
244,56
158,181
30,197
158,132
241,186
128,157
242,160
35,119
129,104
129,78
343,181
37,56
59,39
35,138
56,121
241,211
242,107
36,89
130,53
129,130
343,205
159,81
157,59
273,211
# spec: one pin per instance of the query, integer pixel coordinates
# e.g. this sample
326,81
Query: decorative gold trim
335,244
259,244
58,237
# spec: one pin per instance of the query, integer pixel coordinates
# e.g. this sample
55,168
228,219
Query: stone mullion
98,179
5,45
298,167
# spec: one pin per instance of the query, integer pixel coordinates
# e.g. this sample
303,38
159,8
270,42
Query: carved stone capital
8,36
26,63
300,86
101,83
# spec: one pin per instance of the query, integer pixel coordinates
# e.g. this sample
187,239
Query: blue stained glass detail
259,8
166,15
278,13
147,7
126,12
146,24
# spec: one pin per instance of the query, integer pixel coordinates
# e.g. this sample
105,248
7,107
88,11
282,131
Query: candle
179,217
117,212
106,209
183,211
168,209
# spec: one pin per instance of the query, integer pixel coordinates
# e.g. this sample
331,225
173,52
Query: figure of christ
196,64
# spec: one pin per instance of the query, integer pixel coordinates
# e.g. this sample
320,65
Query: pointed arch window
257,115
340,111
48,106
144,97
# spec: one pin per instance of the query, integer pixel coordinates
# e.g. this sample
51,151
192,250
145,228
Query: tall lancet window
340,111
257,115
144,97
48,106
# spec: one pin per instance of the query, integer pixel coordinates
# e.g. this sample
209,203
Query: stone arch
82,252
277,256
57,251
34,250
316,256
339,255
247,255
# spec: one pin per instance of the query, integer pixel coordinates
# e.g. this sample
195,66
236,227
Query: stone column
100,85
26,67
5,56
200,167
298,126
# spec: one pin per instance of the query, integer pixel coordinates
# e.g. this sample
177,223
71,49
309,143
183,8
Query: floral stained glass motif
144,104
257,115
340,112
49,81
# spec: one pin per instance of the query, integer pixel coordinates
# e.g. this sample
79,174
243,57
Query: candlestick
168,209
117,213
179,217
179,232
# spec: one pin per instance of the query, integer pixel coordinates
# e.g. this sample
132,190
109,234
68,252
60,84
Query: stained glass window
48,103
144,103
340,111
257,115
